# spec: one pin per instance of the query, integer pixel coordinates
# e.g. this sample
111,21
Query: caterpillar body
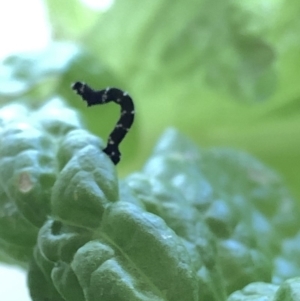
125,121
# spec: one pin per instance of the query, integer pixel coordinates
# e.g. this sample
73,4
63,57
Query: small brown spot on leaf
25,184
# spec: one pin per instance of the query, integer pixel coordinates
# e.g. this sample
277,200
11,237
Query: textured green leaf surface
240,200
217,217
192,224
289,290
257,291
133,255
84,187
28,170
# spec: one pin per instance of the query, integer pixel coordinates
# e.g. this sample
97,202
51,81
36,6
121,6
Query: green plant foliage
70,20
255,292
216,36
29,169
193,224
238,197
224,72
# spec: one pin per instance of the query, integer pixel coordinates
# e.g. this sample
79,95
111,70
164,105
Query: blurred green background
224,72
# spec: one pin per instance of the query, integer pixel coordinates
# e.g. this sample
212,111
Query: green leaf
243,203
70,19
27,156
30,74
84,187
193,224
219,42
190,61
133,256
288,290
35,146
255,292
287,264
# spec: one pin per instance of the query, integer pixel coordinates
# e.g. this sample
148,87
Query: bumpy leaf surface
192,225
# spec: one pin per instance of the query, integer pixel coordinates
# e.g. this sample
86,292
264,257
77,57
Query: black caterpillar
125,121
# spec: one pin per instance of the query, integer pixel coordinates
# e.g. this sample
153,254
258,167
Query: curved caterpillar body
125,121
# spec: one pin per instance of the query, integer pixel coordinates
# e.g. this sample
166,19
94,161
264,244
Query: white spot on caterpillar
81,89
104,97
125,94
132,112
124,113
